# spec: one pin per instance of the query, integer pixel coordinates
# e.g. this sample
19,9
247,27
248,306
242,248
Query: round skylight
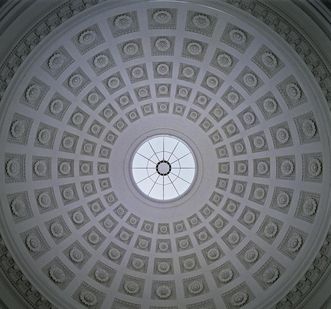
163,167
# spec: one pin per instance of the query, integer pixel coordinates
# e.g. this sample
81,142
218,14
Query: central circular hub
163,168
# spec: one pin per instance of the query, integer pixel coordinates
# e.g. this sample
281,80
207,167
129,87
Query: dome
165,154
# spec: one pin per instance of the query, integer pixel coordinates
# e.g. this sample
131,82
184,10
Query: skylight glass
163,167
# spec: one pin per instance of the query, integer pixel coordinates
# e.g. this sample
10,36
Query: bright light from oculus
163,167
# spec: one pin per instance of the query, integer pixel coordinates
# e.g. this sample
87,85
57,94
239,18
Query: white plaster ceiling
109,78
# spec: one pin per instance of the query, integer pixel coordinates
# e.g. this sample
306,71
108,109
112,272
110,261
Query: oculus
163,167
